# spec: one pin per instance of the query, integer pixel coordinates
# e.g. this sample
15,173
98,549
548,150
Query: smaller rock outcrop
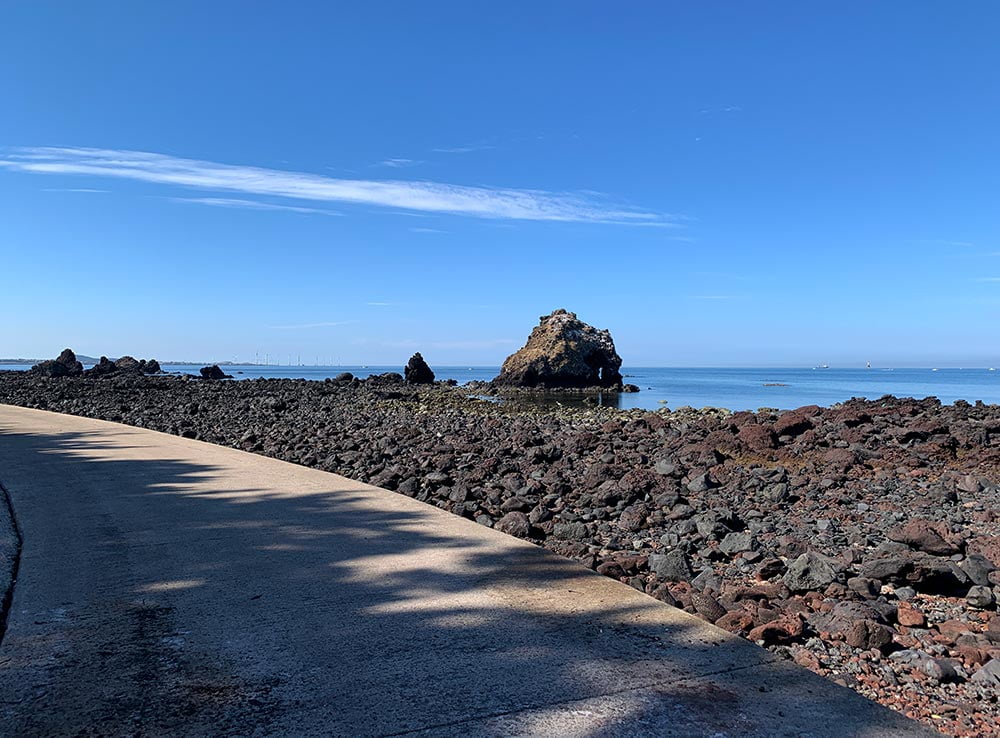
214,372
65,365
563,352
103,368
417,371
125,365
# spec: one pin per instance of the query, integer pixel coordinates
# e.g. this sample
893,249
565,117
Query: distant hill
82,358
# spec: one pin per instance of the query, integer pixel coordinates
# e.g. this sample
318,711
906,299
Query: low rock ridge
67,365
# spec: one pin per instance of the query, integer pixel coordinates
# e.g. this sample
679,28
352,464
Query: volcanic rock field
861,541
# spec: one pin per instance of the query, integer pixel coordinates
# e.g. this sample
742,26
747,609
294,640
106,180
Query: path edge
10,556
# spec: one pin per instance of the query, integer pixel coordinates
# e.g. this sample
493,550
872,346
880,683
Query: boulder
102,368
417,371
65,365
672,566
128,364
563,352
810,571
214,372
927,535
989,674
514,524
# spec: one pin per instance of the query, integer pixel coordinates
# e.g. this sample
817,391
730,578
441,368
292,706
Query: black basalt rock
65,365
214,372
417,371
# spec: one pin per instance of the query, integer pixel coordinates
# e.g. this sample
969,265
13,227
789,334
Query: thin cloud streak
329,324
461,149
224,202
73,189
422,196
397,163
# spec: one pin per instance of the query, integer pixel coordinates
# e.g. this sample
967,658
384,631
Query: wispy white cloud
328,324
73,189
380,304
462,149
423,196
945,242
988,279
226,202
398,163
427,230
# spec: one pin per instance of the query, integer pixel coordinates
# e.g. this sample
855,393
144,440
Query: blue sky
775,183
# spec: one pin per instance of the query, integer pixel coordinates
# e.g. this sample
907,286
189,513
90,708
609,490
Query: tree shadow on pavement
162,596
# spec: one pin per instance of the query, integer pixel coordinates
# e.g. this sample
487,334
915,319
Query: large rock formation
564,352
417,371
64,366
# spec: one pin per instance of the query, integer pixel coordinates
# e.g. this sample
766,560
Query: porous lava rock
417,371
65,365
563,352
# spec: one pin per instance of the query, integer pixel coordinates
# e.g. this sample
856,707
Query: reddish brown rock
757,437
737,621
866,634
926,535
910,616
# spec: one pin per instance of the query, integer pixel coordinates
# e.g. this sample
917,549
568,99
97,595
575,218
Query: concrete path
172,587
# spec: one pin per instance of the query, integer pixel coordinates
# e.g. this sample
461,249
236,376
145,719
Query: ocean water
736,389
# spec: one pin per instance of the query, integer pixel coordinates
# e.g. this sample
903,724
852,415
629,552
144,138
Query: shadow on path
160,595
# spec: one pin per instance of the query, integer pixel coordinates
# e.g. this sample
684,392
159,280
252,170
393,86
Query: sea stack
563,352
417,371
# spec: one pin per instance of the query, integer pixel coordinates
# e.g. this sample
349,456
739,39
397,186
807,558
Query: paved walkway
172,587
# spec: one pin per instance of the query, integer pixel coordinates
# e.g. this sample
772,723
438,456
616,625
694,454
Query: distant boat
933,370
823,366
868,365
992,369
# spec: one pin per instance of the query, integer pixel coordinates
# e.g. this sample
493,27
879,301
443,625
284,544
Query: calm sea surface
736,389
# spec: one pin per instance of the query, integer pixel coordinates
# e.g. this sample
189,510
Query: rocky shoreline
861,540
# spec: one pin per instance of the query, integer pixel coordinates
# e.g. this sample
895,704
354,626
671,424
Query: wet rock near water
861,541
213,372
65,365
125,365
